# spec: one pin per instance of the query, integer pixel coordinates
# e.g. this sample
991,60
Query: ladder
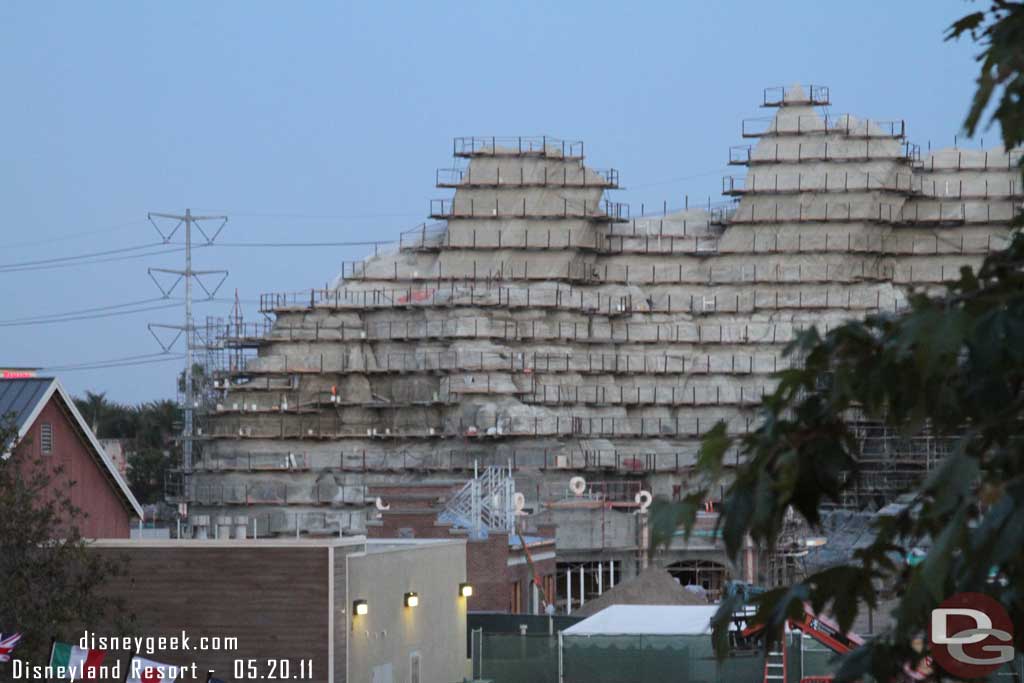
775,662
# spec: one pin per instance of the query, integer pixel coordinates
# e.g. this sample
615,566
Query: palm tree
95,406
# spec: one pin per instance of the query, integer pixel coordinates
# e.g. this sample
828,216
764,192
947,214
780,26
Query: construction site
544,359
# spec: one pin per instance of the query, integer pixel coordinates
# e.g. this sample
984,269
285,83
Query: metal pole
568,590
186,453
188,329
561,668
583,596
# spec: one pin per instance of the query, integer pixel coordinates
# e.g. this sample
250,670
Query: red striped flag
7,644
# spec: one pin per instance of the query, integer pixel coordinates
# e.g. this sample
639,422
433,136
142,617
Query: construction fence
506,658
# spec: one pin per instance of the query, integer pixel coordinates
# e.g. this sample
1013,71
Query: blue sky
324,121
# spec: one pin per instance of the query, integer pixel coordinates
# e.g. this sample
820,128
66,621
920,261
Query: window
414,667
46,438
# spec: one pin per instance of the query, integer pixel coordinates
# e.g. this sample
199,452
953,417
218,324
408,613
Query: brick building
500,569
52,433
289,606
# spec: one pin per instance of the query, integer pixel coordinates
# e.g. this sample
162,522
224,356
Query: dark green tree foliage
1000,32
952,363
148,431
52,582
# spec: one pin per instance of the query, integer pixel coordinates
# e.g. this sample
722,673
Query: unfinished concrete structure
539,325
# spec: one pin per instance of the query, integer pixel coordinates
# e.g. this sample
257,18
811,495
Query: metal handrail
781,95
845,124
517,145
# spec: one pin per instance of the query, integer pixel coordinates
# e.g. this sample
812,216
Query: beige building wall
381,645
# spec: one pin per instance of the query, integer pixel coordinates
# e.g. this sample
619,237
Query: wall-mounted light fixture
360,608
465,590
411,599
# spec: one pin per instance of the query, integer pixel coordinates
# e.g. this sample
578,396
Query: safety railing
238,334
655,244
664,225
611,332
603,491
821,151
525,364
674,396
277,493
804,124
546,239
921,212
536,238
293,401
253,462
790,183
535,146
503,426
523,208
927,212
465,458
971,160
782,95
974,188
519,176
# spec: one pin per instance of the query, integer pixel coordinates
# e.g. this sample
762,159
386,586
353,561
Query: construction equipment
545,599
822,629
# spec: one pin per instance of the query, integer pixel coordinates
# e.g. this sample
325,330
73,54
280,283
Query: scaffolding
535,328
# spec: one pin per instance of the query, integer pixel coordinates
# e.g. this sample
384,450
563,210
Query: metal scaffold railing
517,176
524,208
462,459
339,426
846,125
791,95
539,145
821,151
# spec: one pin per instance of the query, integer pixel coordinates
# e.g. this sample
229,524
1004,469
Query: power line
71,236
315,217
140,302
59,259
109,311
368,243
53,266
93,316
148,359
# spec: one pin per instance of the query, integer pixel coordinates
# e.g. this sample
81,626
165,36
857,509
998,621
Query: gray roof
20,397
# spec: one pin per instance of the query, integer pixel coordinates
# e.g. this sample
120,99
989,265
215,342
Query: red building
499,568
52,433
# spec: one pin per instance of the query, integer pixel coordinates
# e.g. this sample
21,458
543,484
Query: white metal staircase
484,504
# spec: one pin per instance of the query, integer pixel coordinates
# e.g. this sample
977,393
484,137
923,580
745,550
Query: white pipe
568,590
600,577
611,573
583,592
561,671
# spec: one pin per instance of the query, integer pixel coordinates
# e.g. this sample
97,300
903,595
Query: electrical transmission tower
188,329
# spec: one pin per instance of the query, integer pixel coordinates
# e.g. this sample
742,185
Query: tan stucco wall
391,632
